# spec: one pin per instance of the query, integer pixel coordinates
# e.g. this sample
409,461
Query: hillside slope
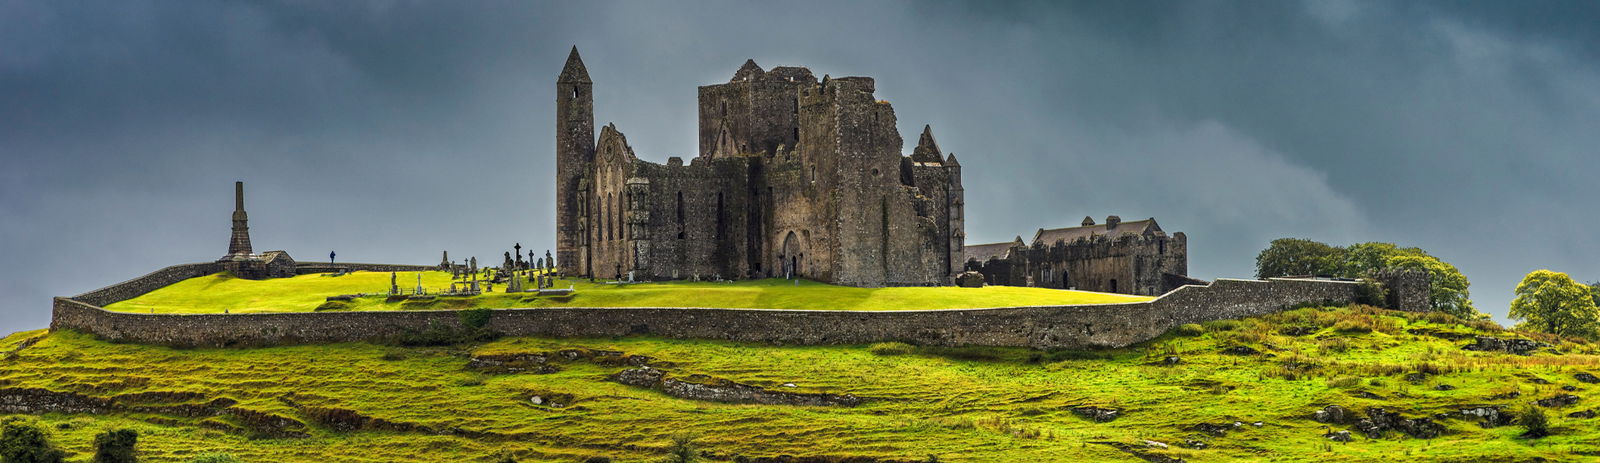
567,399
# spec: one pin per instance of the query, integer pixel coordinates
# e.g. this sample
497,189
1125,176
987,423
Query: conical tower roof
574,72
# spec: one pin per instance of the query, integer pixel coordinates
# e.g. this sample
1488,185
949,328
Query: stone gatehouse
795,176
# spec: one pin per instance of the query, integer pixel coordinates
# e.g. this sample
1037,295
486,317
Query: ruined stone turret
239,244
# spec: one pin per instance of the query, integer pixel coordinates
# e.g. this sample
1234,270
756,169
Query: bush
1533,421
1189,329
24,441
216,458
892,348
682,450
116,446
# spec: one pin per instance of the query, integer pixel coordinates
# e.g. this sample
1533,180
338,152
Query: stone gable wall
1090,326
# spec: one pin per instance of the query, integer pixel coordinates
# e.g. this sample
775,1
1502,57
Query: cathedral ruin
795,177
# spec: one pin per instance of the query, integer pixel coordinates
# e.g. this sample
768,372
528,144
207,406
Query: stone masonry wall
147,283
1091,326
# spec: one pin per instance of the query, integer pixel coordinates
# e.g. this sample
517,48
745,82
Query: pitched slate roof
1070,234
984,252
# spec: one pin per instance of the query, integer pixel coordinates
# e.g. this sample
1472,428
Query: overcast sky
391,131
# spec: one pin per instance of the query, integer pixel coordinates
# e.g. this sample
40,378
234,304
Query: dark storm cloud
392,130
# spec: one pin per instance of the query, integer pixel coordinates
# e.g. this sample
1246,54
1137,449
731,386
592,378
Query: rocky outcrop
722,390
1586,378
1560,400
1333,414
1097,414
1380,421
1488,416
1508,345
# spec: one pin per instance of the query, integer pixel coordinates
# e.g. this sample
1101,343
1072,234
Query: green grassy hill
218,292
564,400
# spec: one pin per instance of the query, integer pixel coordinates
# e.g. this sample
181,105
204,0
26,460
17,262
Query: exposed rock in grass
1586,378
1488,416
1333,414
1538,380
1561,400
1444,387
1590,413
1509,345
1379,421
1337,436
1218,430
722,390
1569,388
1365,395
1506,395
1097,414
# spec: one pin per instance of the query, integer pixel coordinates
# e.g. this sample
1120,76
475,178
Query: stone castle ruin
795,177
800,177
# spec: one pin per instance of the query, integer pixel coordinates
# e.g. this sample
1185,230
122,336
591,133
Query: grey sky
392,131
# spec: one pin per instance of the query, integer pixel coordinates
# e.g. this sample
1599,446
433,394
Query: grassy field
218,292
963,405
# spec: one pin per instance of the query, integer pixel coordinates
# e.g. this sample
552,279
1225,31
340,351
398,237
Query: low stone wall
1110,325
147,283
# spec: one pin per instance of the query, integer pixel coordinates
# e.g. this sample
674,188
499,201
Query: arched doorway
791,256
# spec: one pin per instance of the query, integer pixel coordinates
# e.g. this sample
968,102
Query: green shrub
475,319
1221,325
1533,421
24,441
116,446
1189,329
682,450
892,348
216,458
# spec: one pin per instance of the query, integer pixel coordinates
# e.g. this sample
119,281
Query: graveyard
443,290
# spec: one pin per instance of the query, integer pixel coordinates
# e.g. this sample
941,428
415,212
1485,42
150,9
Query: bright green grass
218,292
963,405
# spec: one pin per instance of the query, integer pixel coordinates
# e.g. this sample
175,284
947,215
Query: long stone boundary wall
1084,326
147,283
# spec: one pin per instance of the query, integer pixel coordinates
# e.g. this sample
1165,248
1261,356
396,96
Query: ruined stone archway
791,256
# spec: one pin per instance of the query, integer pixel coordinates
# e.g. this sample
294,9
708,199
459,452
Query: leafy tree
1594,292
23,441
1361,258
1553,303
116,446
1294,256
